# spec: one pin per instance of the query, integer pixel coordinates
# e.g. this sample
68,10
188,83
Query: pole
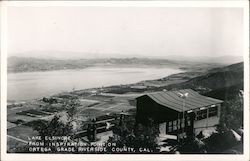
178,130
207,117
183,117
183,96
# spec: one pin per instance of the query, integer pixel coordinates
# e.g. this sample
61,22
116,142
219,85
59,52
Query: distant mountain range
65,55
56,62
24,64
21,64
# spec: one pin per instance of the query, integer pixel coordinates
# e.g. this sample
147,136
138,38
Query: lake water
31,85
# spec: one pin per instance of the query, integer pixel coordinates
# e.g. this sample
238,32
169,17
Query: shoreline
179,77
100,87
99,66
184,74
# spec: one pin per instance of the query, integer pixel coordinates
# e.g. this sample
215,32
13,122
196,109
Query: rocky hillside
216,82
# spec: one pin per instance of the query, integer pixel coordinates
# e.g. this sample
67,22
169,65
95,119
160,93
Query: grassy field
13,144
14,118
32,113
22,132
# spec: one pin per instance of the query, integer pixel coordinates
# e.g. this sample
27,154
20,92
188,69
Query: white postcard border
26,157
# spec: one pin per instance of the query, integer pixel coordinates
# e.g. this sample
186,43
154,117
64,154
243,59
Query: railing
98,129
101,121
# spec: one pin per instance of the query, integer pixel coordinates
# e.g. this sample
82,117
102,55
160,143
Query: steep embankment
222,83
219,77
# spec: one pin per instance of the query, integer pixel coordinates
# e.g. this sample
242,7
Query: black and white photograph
125,79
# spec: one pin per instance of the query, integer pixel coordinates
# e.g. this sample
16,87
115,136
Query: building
180,112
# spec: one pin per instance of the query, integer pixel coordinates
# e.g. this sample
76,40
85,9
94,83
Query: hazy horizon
108,56
105,32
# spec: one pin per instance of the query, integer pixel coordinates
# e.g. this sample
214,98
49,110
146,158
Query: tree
232,113
137,137
71,108
192,145
53,128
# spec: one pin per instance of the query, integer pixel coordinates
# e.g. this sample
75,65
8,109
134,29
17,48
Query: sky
124,31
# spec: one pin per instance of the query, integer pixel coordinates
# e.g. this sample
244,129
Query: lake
31,85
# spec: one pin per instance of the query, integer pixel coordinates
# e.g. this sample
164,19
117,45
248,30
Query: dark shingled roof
172,99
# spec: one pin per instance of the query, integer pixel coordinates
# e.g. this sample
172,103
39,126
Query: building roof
172,99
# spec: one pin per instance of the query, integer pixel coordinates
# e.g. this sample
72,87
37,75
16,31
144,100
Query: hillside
219,82
226,60
219,78
19,64
29,64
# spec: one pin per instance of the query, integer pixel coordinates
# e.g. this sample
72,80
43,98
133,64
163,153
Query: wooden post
181,120
218,110
167,123
192,117
172,125
207,117
177,124
185,124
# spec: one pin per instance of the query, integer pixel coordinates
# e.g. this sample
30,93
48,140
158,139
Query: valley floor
94,103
